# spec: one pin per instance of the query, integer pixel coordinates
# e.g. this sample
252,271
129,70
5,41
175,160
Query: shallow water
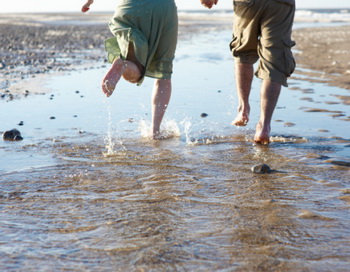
88,190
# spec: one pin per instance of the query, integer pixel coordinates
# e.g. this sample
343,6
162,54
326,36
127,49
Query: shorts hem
278,79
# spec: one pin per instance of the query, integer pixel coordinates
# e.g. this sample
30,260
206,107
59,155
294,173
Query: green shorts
151,26
262,31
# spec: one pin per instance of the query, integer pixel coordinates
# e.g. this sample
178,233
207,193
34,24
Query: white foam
322,15
169,129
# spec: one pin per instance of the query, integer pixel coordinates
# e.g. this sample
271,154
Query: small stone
12,135
18,138
341,163
261,169
203,115
52,117
289,124
2,65
21,123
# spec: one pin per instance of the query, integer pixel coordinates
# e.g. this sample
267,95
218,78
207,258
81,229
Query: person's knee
132,57
131,72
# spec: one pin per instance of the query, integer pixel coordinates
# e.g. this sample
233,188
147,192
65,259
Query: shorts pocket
244,3
234,43
288,55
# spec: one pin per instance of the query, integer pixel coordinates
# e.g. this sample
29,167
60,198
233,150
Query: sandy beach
326,50
39,44
86,190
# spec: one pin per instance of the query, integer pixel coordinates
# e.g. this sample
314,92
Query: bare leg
244,77
112,77
160,100
269,94
129,69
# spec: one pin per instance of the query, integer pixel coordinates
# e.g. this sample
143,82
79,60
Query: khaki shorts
262,31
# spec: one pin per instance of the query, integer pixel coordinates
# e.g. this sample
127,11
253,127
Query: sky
107,5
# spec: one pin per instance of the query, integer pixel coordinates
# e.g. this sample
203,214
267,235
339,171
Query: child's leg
130,69
160,100
112,77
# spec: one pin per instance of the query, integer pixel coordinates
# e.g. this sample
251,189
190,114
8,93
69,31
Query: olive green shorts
262,31
151,26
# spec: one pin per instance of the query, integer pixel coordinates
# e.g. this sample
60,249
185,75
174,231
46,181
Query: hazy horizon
109,5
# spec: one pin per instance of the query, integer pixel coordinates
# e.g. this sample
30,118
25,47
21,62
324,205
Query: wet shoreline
34,45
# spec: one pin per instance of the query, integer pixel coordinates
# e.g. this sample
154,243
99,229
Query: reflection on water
88,190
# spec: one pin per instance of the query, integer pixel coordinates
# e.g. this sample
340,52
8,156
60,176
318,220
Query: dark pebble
341,163
261,169
12,135
52,117
21,123
203,115
2,65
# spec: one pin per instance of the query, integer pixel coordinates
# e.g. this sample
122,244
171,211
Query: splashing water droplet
187,125
145,128
169,129
109,143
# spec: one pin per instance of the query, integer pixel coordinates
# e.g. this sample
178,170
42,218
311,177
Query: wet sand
37,44
86,191
325,50
33,45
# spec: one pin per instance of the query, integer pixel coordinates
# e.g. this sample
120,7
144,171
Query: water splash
288,139
169,129
187,125
204,136
109,142
145,129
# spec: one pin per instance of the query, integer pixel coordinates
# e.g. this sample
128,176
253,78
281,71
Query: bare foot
157,136
242,117
262,134
241,120
112,77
